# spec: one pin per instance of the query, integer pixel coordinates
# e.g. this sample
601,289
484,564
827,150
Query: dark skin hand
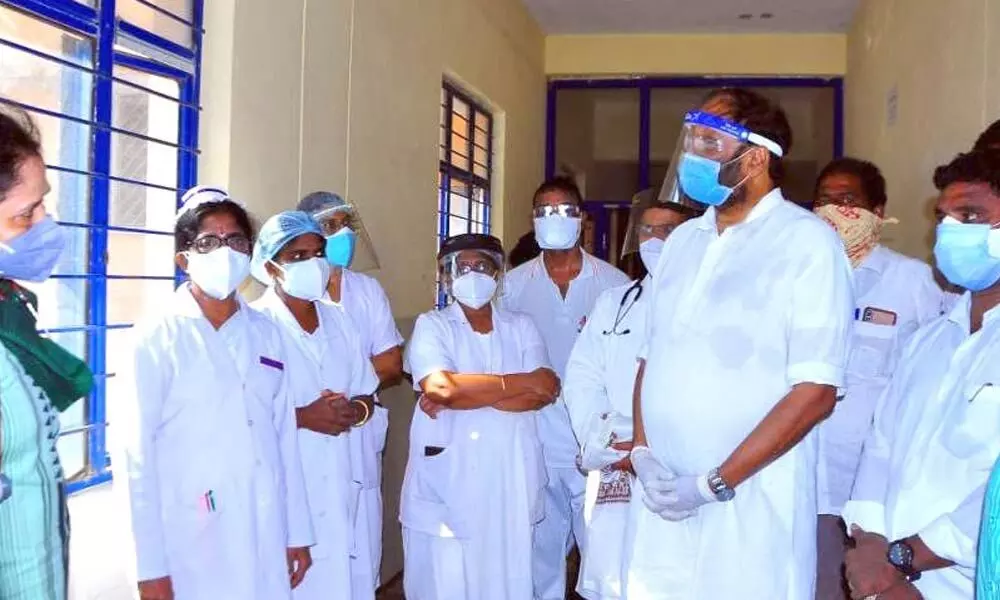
299,561
868,569
330,414
518,392
156,589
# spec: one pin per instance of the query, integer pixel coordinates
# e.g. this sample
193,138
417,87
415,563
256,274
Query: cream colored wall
943,60
344,95
779,54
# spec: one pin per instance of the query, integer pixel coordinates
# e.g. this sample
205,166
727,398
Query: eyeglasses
572,211
210,242
480,266
337,221
661,231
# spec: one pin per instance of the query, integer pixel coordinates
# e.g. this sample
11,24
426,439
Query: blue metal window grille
465,168
113,86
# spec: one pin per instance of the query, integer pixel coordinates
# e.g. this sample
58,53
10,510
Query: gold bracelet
368,413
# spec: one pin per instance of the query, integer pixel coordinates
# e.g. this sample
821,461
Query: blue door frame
646,85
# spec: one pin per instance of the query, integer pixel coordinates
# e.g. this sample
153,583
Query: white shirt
530,290
365,302
208,454
936,436
736,320
894,296
485,487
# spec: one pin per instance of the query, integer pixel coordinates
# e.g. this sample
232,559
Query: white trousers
433,567
554,535
368,538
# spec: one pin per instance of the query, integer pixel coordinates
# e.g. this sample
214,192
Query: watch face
900,554
726,494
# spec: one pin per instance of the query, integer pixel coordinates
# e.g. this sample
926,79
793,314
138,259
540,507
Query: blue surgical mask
32,255
699,179
340,247
968,254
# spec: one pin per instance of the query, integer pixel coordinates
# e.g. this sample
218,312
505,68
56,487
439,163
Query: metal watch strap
719,487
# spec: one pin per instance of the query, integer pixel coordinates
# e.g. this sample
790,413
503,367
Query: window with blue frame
113,87
465,167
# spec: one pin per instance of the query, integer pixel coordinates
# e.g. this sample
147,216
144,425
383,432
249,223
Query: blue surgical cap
275,234
320,201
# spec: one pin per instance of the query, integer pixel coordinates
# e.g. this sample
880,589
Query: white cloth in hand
605,430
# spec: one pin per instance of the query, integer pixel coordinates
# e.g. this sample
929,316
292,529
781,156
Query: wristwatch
722,491
900,556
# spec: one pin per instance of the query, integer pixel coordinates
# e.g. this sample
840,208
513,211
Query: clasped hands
672,497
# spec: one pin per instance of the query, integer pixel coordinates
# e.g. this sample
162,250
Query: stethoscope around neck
624,306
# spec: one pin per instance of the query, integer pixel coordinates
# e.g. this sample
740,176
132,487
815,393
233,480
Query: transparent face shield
455,264
336,221
705,167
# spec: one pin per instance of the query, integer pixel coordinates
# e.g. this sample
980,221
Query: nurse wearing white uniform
473,487
917,501
894,296
598,392
208,450
331,382
364,302
558,290
746,346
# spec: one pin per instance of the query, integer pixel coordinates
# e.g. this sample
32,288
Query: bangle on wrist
503,383
368,413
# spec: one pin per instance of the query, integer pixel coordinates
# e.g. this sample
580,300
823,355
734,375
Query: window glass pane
457,225
130,299
158,23
69,198
140,254
459,206
147,114
142,160
73,452
142,207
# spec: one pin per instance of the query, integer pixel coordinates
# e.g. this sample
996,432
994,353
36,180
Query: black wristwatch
900,556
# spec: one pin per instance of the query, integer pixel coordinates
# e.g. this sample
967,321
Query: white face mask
556,232
305,279
474,289
649,252
219,272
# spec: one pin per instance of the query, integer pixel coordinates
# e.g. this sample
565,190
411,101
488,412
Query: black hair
870,177
189,224
562,184
990,138
971,167
761,116
19,140
524,250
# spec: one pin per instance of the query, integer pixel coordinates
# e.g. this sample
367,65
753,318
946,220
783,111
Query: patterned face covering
860,229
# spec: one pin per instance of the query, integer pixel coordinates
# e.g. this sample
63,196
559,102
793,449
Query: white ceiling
692,16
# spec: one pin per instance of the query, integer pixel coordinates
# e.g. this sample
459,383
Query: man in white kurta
895,295
747,337
558,305
917,500
472,494
600,376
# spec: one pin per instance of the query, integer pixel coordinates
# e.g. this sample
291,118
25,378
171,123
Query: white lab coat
365,303
737,320
936,436
530,290
329,359
899,295
600,376
210,411
485,489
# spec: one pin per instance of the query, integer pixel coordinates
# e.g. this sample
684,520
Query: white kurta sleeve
300,530
136,416
533,355
427,351
584,390
866,508
385,335
819,320
953,536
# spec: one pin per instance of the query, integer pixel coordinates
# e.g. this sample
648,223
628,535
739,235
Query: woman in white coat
365,303
331,383
600,376
473,487
207,438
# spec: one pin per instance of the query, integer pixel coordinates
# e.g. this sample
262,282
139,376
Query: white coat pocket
196,537
871,347
972,431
